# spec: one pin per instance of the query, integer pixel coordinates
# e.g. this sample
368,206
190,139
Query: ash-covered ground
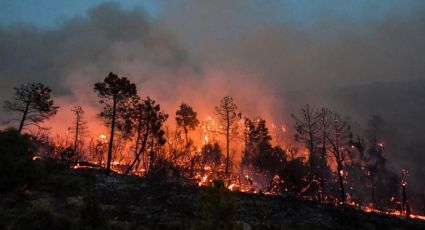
88,199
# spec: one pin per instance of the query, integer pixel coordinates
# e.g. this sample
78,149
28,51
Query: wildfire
80,166
102,138
34,158
234,187
203,181
248,185
210,130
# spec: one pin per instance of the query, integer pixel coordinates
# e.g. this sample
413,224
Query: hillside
66,198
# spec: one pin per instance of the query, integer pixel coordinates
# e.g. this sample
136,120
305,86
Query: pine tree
34,101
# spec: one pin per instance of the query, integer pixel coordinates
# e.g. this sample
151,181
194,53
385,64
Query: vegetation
39,218
16,164
33,101
186,119
115,93
92,216
78,128
228,116
147,119
325,162
219,209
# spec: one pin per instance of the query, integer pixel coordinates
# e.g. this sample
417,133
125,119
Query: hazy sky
278,46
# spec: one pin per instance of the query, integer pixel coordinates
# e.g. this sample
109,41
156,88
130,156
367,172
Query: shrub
16,164
67,154
92,214
219,209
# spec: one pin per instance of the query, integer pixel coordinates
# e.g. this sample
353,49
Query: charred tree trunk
151,157
24,116
77,129
323,165
372,178
341,182
227,143
404,198
407,210
141,151
311,149
192,165
111,138
185,135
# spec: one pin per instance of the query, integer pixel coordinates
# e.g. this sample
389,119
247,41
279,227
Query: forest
323,160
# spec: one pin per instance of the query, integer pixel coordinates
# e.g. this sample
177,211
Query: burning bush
16,164
211,155
68,154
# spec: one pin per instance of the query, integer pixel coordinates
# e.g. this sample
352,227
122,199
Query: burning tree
115,94
147,120
375,161
210,131
309,126
338,138
372,162
325,122
211,155
34,102
186,119
228,117
258,150
79,127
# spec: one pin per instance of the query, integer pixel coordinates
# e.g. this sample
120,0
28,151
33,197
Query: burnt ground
128,202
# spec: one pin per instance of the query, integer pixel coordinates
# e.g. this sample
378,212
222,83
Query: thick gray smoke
200,51
358,68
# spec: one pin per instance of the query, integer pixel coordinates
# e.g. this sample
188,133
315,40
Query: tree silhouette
115,94
339,137
211,154
258,149
148,119
325,116
79,127
186,119
228,116
307,127
375,161
34,102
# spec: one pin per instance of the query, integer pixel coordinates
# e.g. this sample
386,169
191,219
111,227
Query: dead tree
307,126
79,126
339,137
325,122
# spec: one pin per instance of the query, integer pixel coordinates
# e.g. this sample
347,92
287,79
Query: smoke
199,51
80,52
330,51
358,67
